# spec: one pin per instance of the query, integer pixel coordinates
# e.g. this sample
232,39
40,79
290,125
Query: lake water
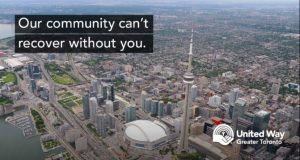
6,30
14,146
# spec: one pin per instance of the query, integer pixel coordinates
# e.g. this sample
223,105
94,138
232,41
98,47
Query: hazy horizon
150,2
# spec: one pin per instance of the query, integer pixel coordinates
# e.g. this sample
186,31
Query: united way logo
223,134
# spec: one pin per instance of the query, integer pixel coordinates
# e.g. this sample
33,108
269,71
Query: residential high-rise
160,112
143,99
296,122
34,71
81,144
109,107
104,91
169,108
111,120
44,93
233,96
148,102
112,93
261,120
236,148
85,105
93,108
188,79
295,131
194,92
130,114
71,135
101,124
94,84
238,111
296,112
154,107
33,85
244,124
214,101
99,88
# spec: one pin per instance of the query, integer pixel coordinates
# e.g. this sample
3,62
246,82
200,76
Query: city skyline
230,63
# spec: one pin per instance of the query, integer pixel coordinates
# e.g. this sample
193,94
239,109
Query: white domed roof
144,130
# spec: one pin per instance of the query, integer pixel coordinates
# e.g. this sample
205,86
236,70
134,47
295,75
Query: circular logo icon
223,134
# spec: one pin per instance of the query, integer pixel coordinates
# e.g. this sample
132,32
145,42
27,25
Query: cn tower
188,79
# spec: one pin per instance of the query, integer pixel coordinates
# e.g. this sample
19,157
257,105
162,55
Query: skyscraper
233,96
261,120
111,121
244,124
93,108
154,107
188,79
238,111
104,91
214,101
101,124
33,85
194,92
130,114
85,105
109,108
34,71
112,93
143,99
169,108
94,84
148,102
160,112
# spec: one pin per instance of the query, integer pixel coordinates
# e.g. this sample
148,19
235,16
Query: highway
31,101
74,68
98,148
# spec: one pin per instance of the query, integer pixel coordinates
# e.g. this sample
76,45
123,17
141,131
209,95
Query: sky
149,2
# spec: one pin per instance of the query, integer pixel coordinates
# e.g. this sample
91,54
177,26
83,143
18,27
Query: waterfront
14,146
6,30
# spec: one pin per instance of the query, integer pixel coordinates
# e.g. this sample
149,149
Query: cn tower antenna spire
188,80
191,53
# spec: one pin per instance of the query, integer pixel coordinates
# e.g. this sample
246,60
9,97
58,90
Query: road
98,148
74,68
60,137
31,101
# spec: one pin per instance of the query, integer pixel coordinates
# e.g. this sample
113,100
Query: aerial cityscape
214,65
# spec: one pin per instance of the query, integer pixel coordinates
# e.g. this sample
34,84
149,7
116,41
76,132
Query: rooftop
144,130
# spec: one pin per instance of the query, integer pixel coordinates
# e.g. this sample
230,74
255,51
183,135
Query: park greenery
92,128
60,75
95,61
50,144
39,122
262,85
167,99
119,82
7,77
68,156
68,100
5,101
285,90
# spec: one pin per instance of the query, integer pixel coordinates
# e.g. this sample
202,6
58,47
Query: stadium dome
145,134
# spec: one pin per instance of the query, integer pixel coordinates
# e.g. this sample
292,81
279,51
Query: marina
23,122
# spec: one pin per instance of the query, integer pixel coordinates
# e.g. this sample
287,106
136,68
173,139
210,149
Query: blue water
14,146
